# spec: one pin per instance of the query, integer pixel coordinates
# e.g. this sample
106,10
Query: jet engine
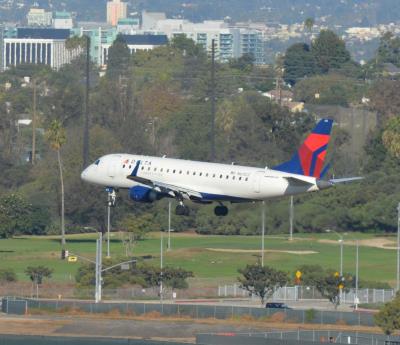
144,194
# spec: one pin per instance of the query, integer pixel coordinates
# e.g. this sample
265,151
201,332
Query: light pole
291,216
262,232
341,248
169,226
161,266
356,301
111,197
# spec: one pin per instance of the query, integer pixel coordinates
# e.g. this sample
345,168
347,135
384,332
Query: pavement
83,326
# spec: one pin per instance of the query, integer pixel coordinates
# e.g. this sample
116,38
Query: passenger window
130,167
246,179
227,176
148,168
200,174
207,175
233,177
142,168
240,179
187,172
155,169
167,170
214,175
220,176
161,170
180,171
194,173
174,171
123,167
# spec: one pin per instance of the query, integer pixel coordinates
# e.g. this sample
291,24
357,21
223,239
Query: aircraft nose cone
84,174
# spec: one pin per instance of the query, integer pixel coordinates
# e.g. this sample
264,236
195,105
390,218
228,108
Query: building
116,10
252,43
135,43
38,46
62,20
39,17
128,26
150,20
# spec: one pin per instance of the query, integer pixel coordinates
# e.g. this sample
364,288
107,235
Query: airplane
149,179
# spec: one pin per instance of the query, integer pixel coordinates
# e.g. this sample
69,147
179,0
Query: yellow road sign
337,274
341,286
72,259
298,274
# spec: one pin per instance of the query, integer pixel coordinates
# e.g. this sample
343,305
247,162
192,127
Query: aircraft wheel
221,211
182,210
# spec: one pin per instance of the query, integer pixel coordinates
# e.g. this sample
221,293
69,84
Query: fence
53,290
296,337
298,293
196,311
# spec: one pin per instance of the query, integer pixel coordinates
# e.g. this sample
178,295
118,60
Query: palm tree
56,137
309,23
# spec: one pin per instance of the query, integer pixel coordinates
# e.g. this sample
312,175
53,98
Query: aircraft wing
164,187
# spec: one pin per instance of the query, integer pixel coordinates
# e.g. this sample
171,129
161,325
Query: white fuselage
219,182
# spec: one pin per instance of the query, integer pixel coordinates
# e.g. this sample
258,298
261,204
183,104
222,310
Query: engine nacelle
144,194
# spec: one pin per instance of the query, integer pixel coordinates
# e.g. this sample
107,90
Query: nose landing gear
182,210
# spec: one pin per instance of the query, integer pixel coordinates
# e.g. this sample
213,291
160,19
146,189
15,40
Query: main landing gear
182,210
221,211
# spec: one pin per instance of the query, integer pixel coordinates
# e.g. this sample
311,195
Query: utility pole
398,248
291,216
33,157
262,232
212,100
86,138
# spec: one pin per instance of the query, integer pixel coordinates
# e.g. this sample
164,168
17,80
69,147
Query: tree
311,275
36,274
119,59
7,275
388,317
391,136
56,137
261,281
299,62
389,49
329,51
135,227
331,285
309,24
18,216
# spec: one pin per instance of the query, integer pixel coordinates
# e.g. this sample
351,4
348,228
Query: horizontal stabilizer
346,179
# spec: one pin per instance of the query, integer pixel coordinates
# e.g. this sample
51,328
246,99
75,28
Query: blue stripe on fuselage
220,197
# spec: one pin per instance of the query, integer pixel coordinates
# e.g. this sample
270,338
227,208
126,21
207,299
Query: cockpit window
97,162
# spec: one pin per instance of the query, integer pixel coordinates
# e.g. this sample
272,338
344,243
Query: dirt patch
379,242
295,252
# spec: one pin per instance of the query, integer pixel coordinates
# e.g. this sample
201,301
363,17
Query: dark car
277,305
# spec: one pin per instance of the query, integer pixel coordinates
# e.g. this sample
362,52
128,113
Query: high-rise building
39,17
38,46
116,10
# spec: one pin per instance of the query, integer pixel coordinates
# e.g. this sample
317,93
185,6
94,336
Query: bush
7,275
310,315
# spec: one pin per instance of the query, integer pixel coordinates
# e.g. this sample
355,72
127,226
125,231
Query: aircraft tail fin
309,158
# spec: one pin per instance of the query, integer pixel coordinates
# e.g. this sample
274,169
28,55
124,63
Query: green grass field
192,252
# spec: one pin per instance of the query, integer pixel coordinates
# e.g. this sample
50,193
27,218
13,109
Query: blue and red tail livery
309,159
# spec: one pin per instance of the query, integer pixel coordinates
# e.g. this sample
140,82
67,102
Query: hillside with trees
158,102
